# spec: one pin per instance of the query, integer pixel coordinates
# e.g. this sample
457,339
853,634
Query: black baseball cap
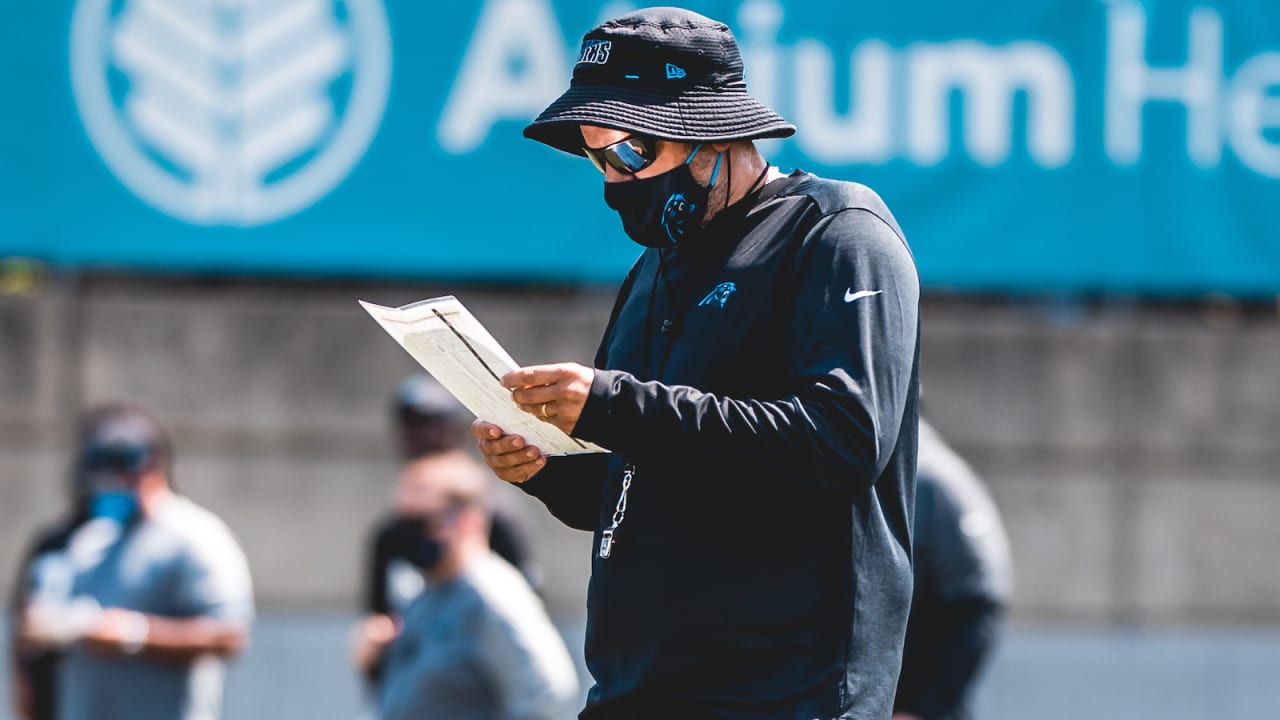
119,440
430,419
423,397
660,71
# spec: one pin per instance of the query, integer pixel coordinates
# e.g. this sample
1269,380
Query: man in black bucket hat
757,385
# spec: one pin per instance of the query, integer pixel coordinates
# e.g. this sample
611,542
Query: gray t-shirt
180,563
479,647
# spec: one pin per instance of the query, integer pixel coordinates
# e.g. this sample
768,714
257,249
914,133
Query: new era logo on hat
675,72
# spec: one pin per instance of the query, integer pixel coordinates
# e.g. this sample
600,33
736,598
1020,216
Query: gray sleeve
528,664
215,579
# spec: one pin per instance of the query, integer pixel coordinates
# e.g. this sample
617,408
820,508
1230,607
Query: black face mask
664,210
413,544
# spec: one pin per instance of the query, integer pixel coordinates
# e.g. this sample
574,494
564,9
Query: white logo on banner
231,112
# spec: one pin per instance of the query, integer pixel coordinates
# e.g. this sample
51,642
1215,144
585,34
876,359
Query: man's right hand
58,624
23,696
509,456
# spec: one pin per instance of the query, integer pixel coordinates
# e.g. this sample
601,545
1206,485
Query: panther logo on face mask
675,214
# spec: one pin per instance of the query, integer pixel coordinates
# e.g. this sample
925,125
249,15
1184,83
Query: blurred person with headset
963,585
150,595
475,642
757,388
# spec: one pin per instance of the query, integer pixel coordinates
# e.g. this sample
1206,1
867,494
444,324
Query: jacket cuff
593,423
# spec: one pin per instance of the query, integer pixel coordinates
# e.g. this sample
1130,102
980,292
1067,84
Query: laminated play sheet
451,344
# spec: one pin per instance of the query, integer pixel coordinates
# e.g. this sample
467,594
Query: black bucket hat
662,71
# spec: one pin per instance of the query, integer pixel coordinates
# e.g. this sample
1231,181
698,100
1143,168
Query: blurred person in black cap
963,585
757,385
429,421
428,418
150,594
475,641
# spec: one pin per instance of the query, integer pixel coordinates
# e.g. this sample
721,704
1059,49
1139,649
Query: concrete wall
1132,448
1133,451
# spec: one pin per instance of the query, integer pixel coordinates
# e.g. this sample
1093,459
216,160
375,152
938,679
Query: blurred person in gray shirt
151,594
428,420
476,643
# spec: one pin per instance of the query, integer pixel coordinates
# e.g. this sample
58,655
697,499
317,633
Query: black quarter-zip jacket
762,384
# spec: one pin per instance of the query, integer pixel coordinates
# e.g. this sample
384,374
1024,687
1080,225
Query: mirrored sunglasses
629,155
121,458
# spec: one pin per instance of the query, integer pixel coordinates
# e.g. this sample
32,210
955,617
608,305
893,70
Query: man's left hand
553,393
115,630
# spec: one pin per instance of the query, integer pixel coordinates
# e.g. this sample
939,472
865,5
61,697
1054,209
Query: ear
152,479
472,520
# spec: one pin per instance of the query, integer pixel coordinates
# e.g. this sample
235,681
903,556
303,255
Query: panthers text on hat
595,51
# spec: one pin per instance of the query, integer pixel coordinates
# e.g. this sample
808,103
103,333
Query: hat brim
694,115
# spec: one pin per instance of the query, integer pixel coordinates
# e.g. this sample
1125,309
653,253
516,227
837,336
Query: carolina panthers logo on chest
719,296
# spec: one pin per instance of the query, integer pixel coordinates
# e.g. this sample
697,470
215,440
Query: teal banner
1064,145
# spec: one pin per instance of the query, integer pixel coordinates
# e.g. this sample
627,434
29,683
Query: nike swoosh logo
850,295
